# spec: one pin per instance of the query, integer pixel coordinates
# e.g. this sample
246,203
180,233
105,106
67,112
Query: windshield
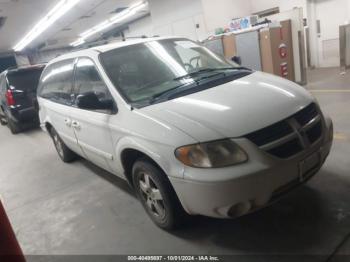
25,79
141,72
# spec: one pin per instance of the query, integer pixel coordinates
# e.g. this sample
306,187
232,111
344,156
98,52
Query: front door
329,16
91,126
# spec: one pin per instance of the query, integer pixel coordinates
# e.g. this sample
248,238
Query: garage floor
57,208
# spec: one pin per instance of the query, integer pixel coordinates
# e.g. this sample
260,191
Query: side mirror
237,60
90,101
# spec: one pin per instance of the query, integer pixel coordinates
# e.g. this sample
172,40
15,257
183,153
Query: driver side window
88,80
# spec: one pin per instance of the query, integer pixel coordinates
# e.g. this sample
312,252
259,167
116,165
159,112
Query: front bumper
238,190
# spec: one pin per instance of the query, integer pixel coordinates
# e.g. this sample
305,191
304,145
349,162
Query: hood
233,109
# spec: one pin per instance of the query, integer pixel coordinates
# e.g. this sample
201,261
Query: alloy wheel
152,196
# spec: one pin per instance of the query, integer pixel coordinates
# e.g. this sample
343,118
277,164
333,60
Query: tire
157,195
14,127
3,121
63,151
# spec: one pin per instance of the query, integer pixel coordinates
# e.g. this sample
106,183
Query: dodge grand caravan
191,132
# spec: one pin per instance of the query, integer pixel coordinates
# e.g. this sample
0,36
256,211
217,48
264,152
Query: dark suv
18,104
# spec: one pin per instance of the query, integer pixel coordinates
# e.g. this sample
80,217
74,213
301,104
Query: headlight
211,155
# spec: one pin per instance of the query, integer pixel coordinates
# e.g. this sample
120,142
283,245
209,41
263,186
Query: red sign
284,69
283,50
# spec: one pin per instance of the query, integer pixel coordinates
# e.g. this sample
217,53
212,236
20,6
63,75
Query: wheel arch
48,126
128,158
129,149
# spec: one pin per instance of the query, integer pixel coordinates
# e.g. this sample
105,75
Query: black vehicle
18,103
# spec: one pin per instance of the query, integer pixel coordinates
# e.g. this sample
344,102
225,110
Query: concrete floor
58,208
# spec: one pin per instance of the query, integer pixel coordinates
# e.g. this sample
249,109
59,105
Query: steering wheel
189,67
195,62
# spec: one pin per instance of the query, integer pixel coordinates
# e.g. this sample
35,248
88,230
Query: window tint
56,82
88,80
25,79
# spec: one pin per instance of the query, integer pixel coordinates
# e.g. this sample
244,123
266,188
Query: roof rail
138,37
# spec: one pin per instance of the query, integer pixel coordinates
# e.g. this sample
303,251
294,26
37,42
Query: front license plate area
309,164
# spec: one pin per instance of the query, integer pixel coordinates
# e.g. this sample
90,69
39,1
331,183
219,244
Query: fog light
239,209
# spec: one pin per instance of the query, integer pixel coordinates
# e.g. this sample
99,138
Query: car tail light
9,98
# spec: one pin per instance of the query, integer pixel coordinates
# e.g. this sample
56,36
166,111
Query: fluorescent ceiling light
78,42
54,14
125,14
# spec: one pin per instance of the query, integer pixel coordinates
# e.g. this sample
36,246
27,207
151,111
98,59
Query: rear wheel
3,121
14,127
63,151
157,195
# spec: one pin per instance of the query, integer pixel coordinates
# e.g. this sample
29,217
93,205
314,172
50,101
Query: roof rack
139,37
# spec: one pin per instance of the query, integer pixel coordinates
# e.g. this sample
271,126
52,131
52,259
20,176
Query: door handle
68,122
76,125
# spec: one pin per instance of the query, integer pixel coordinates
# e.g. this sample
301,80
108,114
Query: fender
43,117
43,123
162,154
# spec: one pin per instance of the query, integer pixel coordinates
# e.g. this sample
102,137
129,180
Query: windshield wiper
205,70
168,92
174,90
208,70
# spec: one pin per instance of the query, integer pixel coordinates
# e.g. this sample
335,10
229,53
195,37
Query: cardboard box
277,51
229,44
224,45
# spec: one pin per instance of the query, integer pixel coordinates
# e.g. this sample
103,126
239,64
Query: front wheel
63,151
157,195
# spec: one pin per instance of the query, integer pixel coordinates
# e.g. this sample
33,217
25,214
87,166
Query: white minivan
191,132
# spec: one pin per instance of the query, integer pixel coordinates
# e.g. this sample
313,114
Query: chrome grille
292,135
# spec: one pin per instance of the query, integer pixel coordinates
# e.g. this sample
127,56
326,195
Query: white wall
46,56
178,17
331,14
22,60
218,13
169,11
284,5
141,27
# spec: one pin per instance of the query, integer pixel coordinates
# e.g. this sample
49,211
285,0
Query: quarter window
88,80
57,82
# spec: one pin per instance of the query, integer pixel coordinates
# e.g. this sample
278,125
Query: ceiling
21,15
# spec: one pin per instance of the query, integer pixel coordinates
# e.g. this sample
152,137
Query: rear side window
26,80
57,82
88,80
